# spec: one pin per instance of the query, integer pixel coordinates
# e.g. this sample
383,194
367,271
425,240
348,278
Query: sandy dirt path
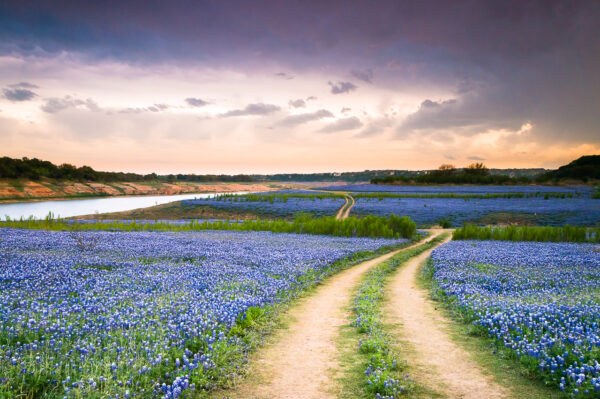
302,362
438,362
348,208
344,211
341,211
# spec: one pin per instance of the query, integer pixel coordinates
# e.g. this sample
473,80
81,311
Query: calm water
68,208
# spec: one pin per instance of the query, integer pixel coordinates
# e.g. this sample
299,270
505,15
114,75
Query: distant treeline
476,173
583,169
35,169
392,226
525,233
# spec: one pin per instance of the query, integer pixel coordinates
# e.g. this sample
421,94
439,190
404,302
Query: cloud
54,104
343,124
449,156
158,107
23,85
300,103
475,158
284,75
346,109
17,95
468,116
366,75
151,108
375,127
341,87
311,98
294,120
196,102
253,109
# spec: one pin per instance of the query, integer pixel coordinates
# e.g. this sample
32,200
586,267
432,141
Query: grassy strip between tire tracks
381,372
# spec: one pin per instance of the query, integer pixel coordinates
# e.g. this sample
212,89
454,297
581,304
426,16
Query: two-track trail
302,361
344,211
437,362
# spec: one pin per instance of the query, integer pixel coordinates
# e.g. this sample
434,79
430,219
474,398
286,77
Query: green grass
526,233
371,226
504,367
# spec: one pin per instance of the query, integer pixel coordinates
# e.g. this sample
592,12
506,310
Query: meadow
146,314
163,308
383,188
535,210
538,302
281,204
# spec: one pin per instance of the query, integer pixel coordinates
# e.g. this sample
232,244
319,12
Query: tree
477,169
447,168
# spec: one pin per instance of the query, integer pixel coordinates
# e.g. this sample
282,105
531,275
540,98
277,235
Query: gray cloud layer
366,75
300,103
343,124
294,120
341,87
196,102
54,104
253,109
16,95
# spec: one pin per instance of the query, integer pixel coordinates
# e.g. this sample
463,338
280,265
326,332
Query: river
78,207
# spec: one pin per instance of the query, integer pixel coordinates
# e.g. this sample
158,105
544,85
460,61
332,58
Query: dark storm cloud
253,109
196,102
341,87
512,60
365,75
294,120
16,95
343,124
300,103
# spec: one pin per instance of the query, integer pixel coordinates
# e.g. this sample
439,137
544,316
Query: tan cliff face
22,190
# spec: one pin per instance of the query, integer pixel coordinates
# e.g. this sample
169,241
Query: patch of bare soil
36,190
439,363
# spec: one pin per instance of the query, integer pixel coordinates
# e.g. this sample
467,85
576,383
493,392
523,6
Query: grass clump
526,233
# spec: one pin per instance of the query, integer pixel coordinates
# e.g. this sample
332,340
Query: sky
299,86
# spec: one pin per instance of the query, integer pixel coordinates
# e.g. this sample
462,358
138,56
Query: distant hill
585,168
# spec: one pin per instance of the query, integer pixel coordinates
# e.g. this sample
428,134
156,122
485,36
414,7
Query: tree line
35,169
583,169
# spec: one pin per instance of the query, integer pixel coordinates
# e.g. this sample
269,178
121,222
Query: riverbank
18,190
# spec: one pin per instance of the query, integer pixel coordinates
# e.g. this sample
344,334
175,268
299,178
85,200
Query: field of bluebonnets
283,203
427,205
144,314
538,301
